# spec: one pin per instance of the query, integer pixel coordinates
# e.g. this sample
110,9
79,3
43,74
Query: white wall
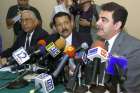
45,8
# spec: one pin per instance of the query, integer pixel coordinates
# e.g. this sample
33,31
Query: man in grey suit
110,25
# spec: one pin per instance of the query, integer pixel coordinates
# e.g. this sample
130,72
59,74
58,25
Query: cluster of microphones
96,66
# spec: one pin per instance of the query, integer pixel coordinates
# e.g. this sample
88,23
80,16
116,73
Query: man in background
86,17
13,18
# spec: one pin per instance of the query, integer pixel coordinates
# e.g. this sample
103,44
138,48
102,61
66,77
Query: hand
84,22
3,61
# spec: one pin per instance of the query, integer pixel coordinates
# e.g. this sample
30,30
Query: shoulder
13,7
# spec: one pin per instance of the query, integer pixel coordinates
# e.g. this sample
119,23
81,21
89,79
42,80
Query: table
8,76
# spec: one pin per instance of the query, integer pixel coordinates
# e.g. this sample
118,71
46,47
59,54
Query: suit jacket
129,47
77,39
39,33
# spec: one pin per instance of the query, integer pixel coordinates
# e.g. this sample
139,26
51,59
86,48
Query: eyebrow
105,18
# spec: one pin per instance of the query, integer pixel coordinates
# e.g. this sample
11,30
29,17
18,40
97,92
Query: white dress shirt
111,42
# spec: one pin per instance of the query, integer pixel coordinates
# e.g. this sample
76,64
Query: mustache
64,30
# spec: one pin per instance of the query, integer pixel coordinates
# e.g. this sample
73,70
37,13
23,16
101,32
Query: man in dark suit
65,28
31,33
110,25
13,15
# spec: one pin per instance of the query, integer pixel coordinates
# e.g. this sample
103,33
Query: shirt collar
69,40
111,42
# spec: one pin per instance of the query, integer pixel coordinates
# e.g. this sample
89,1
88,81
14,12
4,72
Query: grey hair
31,12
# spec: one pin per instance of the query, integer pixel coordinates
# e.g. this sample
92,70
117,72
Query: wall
45,8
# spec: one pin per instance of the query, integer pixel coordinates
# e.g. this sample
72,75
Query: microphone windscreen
60,43
41,42
70,51
121,62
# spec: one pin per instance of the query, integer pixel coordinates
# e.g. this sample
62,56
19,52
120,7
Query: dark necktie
106,45
27,41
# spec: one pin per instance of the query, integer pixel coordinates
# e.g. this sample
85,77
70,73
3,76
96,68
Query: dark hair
119,12
60,14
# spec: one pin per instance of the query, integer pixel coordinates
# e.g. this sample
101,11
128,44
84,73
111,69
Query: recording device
44,83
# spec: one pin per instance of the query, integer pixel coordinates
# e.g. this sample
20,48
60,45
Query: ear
118,25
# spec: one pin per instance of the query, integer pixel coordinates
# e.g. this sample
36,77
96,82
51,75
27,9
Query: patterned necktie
106,45
27,41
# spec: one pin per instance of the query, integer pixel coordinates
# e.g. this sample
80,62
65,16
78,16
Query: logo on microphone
97,52
21,56
52,49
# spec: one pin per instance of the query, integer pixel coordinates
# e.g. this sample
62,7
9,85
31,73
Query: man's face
28,22
23,2
64,26
106,26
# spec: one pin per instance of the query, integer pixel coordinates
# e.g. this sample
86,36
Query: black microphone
98,56
70,51
72,82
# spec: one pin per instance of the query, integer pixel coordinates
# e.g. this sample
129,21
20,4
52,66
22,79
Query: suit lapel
116,48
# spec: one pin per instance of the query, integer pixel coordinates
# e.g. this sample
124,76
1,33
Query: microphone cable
2,86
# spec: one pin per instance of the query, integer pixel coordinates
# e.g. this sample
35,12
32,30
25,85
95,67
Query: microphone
81,50
44,83
97,52
70,52
83,46
72,82
53,49
98,56
117,66
21,55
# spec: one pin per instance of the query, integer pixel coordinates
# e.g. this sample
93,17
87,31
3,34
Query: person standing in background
86,18
13,18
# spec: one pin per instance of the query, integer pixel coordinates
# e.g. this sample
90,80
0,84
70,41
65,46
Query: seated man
30,35
13,15
65,28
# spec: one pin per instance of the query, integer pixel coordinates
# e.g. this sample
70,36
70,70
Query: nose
63,26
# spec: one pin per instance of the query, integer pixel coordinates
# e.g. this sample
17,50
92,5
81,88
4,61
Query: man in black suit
65,28
31,33
13,15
